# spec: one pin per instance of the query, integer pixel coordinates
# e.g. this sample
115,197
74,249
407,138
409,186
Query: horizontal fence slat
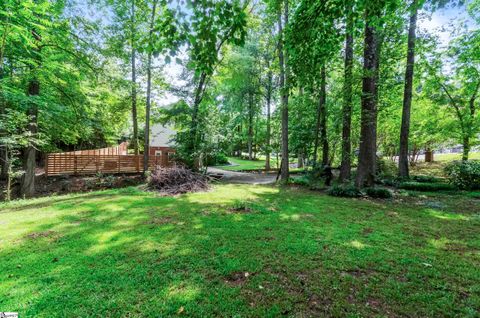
84,164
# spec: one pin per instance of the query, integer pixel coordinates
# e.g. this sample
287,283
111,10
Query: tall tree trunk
269,99
403,169
193,141
323,116
368,138
4,161
468,130
300,158
321,125
134,84
146,150
283,62
346,165
466,147
250,126
27,188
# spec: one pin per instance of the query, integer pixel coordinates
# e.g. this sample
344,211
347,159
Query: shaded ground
240,251
55,185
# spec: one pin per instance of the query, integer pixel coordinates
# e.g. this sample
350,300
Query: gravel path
244,177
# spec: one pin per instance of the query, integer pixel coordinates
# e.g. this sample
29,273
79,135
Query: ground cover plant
240,250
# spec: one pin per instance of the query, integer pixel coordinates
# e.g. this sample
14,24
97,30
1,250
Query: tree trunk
323,116
8,192
283,60
428,155
403,169
250,126
134,85
368,138
467,131
466,147
192,144
27,188
146,149
346,165
300,159
269,99
321,128
4,164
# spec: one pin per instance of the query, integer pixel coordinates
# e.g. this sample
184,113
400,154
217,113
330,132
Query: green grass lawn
238,164
455,156
437,167
240,251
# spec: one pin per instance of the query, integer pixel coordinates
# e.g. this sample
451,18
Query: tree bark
196,104
4,161
300,158
468,130
346,165
283,61
27,188
134,85
403,169
269,100
146,150
321,126
466,147
428,155
368,138
323,117
250,126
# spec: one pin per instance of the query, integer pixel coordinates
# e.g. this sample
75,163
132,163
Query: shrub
422,178
379,193
392,181
464,174
386,168
301,181
308,181
425,186
348,191
218,158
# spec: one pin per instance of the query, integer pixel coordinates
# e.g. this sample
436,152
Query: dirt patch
392,214
160,220
37,235
357,272
241,210
237,278
366,231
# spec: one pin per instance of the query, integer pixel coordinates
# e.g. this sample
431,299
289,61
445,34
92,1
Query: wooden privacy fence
121,149
74,164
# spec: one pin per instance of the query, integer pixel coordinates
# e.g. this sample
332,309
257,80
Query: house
161,143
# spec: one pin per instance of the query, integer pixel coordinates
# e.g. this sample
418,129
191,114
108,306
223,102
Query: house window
158,152
170,156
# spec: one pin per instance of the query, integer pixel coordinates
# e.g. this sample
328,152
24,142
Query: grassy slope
455,156
436,168
128,253
241,164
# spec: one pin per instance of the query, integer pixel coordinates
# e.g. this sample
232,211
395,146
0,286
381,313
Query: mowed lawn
238,164
240,251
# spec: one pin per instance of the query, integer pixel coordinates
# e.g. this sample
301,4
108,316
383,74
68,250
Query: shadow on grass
238,250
